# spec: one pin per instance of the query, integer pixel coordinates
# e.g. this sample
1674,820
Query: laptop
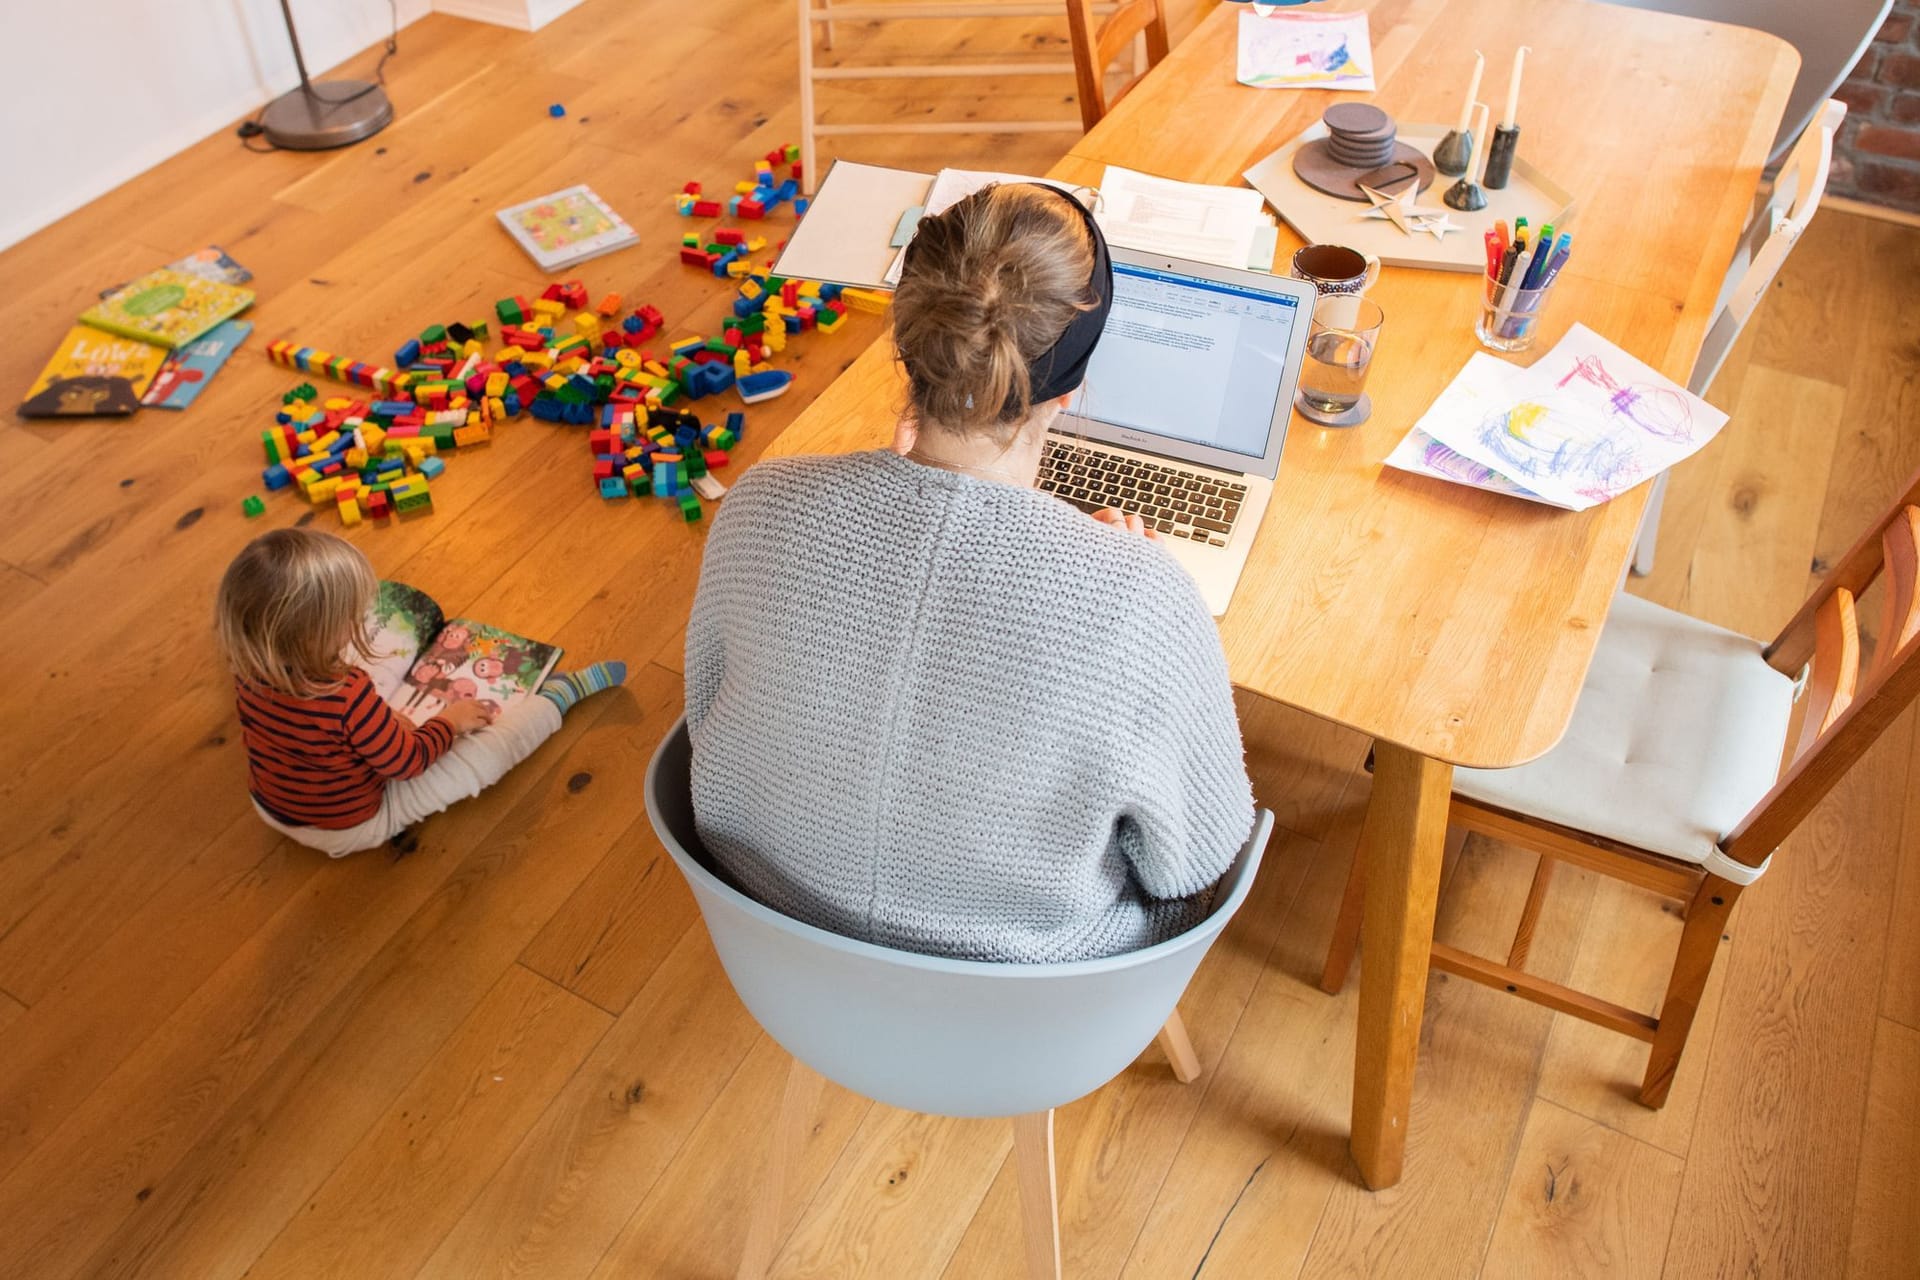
1185,408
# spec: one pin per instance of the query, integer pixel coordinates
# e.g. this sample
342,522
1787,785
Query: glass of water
1340,345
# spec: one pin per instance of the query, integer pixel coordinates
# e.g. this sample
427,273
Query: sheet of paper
950,187
1305,51
1585,423
1180,219
844,237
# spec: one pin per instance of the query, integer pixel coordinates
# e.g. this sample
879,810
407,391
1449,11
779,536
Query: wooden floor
512,1051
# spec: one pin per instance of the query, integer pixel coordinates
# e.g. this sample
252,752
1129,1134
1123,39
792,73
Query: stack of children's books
153,341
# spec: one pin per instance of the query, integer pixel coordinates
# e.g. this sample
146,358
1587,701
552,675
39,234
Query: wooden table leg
1404,843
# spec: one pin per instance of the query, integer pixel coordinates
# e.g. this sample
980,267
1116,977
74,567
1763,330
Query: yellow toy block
372,437
322,490
809,288
322,443
349,514
509,354
336,403
587,325
742,364
478,433
756,243
867,300
305,437
356,458
550,307
497,384
739,267
743,188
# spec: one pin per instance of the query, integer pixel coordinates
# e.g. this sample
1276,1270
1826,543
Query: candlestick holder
1454,155
1506,140
1466,195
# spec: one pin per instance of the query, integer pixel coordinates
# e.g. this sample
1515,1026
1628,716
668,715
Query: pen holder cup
1509,315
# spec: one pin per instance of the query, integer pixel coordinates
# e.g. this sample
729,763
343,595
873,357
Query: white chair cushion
1678,735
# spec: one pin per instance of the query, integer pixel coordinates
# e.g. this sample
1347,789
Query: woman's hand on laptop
1131,523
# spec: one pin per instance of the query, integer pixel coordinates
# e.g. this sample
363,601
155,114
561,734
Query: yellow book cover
169,307
93,374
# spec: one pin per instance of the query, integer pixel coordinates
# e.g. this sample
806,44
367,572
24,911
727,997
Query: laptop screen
1190,359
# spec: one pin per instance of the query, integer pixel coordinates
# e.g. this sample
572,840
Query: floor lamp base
330,113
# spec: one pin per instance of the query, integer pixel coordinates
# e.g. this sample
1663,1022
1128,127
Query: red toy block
716,458
790,294
602,468
551,293
752,209
795,172
706,208
692,189
696,258
378,506
574,294
730,235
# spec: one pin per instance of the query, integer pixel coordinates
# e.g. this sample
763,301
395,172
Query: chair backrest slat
1853,571
1900,581
1836,668
1095,48
1838,730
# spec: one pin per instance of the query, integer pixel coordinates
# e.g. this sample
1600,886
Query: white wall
93,92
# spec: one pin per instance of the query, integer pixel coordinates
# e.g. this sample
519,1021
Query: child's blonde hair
293,611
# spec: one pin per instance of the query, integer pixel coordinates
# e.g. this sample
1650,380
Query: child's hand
468,714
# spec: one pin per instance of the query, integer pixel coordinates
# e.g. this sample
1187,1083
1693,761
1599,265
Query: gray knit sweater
958,717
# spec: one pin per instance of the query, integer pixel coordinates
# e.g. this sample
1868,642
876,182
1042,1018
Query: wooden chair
1096,48
1670,776
1081,12
948,1037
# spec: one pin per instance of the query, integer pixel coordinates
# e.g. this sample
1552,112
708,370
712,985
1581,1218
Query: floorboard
513,1052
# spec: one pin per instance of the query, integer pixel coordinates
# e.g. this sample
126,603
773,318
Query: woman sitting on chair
933,708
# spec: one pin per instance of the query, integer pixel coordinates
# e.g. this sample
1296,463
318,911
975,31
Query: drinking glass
1340,343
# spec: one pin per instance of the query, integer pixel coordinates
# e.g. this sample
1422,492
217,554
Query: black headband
1063,366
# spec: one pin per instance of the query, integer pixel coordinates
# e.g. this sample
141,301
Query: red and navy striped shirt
325,761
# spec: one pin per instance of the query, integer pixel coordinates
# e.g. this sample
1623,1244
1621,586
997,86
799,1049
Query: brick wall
1877,158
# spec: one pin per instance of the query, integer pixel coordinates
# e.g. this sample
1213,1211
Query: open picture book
424,660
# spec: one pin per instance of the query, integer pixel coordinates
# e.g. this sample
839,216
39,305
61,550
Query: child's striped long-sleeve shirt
325,761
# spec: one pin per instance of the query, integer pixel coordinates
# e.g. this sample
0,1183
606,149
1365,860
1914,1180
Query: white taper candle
1513,89
1473,91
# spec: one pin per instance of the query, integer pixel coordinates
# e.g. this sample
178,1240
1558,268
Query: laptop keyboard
1176,502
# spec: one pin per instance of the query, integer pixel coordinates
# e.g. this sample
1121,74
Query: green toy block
433,335
689,507
509,311
251,506
641,484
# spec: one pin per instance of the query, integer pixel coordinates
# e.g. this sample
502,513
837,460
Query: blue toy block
686,437
786,191
744,307
511,403
737,423
408,353
800,207
828,292
556,110
392,408
613,487
276,477
790,322
431,467
733,206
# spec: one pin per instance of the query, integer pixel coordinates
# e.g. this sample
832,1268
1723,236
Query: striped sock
564,688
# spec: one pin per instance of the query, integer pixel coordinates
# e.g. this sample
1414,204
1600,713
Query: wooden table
1451,626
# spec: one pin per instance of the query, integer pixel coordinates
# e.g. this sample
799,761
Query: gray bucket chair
946,1037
